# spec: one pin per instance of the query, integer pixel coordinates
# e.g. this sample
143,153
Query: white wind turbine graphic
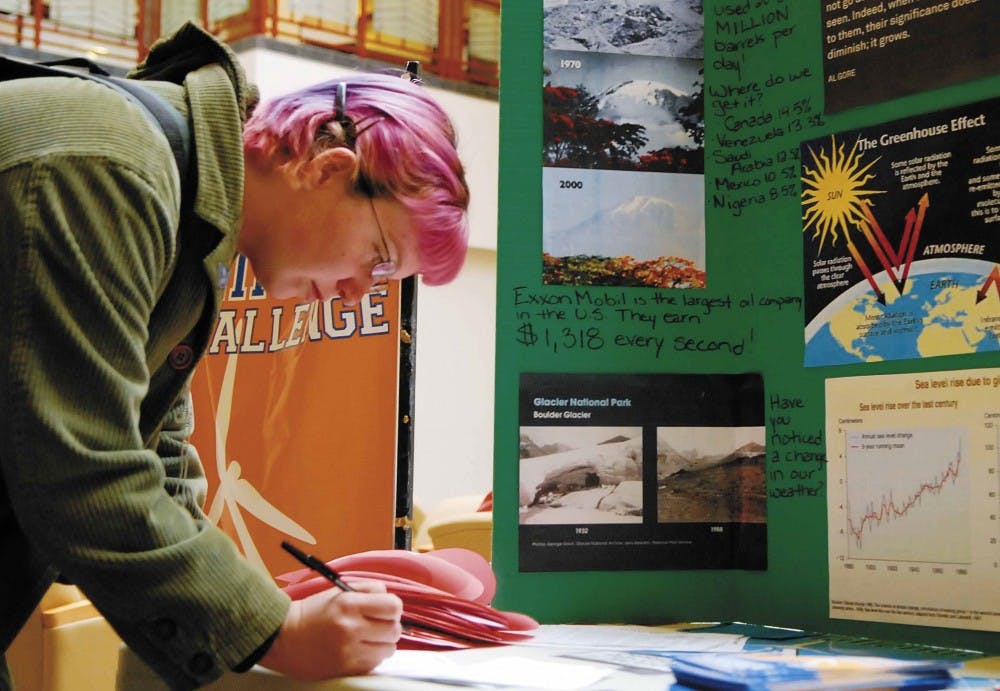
236,492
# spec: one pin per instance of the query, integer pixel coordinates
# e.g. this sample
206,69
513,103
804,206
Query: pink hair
405,145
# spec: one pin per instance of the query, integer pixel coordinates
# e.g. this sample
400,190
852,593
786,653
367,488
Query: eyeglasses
385,265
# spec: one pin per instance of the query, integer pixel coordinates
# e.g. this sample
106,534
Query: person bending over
110,294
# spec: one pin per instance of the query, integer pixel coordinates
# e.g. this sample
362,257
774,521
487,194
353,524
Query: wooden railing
462,44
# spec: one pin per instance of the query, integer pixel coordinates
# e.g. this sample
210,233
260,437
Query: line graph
913,505
907,495
889,509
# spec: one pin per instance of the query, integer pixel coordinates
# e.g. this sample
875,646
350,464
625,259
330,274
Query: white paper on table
615,637
650,661
509,670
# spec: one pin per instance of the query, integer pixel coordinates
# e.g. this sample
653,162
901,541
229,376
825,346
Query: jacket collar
219,100
219,97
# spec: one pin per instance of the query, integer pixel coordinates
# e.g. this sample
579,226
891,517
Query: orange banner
295,421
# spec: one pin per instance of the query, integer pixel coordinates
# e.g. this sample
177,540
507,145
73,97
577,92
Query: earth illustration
937,314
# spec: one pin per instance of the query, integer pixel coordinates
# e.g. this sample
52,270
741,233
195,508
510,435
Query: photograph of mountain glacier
622,112
642,27
711,475
623,229
622,184
580,475
641,471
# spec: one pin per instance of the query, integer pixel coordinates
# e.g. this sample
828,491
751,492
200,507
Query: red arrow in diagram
994,280
891,258
865,270
915,224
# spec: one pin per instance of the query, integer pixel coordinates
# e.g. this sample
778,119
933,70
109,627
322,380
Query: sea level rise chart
914,498
907,496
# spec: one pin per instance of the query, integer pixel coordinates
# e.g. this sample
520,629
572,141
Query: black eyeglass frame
384,267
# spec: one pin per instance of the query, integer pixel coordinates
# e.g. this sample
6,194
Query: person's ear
334,163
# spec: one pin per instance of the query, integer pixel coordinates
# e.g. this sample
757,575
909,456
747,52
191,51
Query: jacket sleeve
185,477
89,245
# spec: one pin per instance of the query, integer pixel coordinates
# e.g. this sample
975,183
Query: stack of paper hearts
446,596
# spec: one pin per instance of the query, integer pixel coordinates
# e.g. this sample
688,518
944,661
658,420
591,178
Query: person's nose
352,290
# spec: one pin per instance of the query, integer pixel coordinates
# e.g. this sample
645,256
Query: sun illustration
835,198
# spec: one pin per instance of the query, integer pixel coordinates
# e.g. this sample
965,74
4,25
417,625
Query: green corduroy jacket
107,303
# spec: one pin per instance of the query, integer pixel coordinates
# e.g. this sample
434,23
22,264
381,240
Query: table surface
134,675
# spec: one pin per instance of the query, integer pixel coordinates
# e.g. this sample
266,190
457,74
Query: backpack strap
154,106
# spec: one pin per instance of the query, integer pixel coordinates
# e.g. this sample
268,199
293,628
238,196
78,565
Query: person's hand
336,633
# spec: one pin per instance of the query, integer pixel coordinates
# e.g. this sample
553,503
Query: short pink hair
406,147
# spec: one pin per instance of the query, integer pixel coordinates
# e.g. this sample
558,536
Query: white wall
453,417
454,406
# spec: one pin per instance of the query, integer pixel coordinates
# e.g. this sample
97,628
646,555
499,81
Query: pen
316,565
325,571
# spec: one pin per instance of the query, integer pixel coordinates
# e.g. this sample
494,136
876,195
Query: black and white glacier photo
711,475
580,475
671,28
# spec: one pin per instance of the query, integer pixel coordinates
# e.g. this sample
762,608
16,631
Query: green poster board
764,88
